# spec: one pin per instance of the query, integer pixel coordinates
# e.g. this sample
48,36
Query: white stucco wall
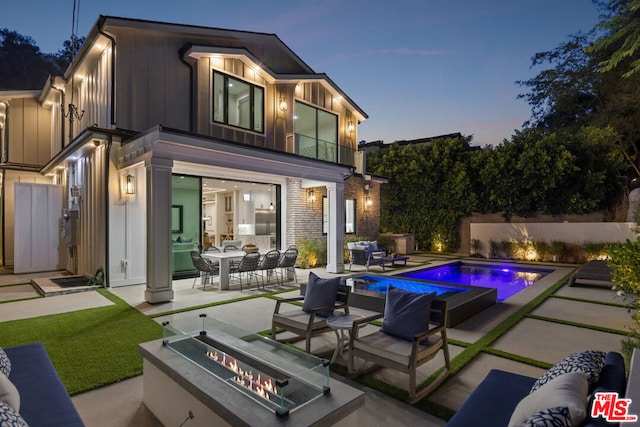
570,232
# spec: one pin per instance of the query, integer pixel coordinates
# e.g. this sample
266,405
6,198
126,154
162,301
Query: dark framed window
349,216
317,132
237,103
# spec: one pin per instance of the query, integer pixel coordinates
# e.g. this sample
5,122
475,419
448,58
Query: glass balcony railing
319,149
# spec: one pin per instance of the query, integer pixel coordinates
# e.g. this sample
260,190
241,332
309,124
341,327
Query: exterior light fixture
368,201
129,184
282,104
311,196
350,126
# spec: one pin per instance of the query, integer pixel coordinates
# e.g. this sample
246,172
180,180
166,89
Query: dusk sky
418,68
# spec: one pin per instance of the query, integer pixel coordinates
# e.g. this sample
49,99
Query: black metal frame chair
247,265
268,264
287,263
205,267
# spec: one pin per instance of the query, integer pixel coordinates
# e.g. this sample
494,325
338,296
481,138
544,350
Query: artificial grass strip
517,358
20,299
89,348
591,301
578,325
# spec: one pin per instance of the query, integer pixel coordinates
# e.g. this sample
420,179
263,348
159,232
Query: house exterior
162,138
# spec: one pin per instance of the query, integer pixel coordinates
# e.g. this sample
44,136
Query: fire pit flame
245,378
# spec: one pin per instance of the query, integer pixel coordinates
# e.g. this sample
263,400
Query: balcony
327,151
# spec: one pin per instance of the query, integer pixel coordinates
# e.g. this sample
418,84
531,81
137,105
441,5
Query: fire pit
278,377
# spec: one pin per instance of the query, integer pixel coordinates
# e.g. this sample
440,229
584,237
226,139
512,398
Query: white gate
37,214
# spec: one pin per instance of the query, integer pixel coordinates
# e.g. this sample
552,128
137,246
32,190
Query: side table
340,324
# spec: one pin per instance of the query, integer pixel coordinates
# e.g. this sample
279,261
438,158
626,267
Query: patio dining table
225,259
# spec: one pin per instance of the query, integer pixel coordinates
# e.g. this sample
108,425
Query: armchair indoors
322,298
412,333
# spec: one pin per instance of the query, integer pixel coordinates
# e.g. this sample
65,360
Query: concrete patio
539,335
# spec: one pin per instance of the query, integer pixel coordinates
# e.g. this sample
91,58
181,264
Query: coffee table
340,324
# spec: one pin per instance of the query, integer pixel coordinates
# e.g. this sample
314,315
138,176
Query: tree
573,92
623,39
24,66
429,189
570,172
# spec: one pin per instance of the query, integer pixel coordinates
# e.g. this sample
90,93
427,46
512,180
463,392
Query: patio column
159,283
335,236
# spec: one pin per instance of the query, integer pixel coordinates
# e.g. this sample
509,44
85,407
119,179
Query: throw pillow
320,293
5,363
568,390
590,362
9,393
406,314
9,417
552,417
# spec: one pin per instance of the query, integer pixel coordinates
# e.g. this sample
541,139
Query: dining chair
268,264
287,263
204,267
247,266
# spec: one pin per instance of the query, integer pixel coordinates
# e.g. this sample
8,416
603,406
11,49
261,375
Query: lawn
89,348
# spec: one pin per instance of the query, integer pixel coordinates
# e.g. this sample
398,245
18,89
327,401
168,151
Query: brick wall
304,218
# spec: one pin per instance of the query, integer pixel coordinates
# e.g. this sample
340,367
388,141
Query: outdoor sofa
44,400
493,402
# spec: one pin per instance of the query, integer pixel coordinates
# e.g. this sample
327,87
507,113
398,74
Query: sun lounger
596,273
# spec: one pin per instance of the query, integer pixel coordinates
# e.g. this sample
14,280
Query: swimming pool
507,279
379,284
368,292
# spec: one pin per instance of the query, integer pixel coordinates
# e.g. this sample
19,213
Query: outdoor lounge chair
595,272
311,319
367,255
398,353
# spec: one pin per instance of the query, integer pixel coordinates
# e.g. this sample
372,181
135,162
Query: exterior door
37,215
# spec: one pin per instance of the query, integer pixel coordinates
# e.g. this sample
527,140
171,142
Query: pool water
508,280
379,284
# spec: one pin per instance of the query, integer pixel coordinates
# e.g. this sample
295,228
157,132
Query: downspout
61,115
107,158
4,158
113,74
192,119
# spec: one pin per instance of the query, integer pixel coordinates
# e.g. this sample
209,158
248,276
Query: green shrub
559,250
311,253
542,249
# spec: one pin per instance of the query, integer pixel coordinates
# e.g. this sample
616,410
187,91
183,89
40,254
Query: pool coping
460,306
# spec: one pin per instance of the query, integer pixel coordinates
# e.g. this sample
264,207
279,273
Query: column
159,281
335,237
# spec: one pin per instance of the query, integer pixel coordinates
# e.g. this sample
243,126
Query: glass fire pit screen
279,377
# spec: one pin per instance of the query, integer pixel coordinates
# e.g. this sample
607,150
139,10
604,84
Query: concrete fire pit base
175,388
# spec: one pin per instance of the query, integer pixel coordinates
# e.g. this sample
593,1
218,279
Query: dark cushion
320,293
406,314
612,378
493,401
44,400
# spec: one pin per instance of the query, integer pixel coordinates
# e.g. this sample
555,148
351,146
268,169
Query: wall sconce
311,196
350,126
129,184
282,104
368,201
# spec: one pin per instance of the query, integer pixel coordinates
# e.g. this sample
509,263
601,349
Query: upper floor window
316,132
237,103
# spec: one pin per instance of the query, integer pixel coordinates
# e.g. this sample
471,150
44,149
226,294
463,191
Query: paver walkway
565,322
